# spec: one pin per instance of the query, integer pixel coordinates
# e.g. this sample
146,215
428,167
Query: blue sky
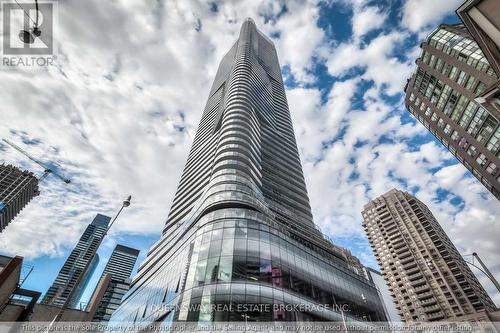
118,113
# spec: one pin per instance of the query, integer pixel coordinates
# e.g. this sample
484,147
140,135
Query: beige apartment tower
426,276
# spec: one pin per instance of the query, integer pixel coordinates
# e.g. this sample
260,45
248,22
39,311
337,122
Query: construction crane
47,169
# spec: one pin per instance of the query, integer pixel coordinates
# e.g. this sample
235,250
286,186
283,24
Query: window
440,123
425,57
459,108
477,121
470,83
444,97
418,78
451,103
463,143
453,73
428,111
447,129
481,159
494,142
437,92
439,64
491,72
425,82
461,78
491,168
434,116
432,61
445,69
472,151
486,129
480,88
470,110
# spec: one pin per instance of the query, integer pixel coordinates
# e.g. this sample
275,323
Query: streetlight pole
58,317
483,270
487,271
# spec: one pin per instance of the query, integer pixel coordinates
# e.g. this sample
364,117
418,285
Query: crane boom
46,168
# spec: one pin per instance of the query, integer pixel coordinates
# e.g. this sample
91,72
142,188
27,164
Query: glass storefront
236,267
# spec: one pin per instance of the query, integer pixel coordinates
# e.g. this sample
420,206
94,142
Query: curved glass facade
240,243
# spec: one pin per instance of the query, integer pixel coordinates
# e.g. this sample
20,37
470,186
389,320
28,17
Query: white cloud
376,59
315,123
419,14
122,106
299,31
366,19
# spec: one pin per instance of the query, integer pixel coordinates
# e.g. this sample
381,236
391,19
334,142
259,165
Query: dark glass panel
200,273
239,268
240,247
225,269
215,248
212,271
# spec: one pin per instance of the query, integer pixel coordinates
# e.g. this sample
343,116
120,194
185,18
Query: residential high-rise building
452,72
114,283
425,273
240,243
17,188
77,271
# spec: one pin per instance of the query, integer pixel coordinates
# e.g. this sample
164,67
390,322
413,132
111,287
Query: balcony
425,287
392,231
386,220
395,237
418,282
408,263
428,301
424,296
431,309
405,254
398,244
401,250
414,272
435,316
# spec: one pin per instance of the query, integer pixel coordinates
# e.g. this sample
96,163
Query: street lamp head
126,203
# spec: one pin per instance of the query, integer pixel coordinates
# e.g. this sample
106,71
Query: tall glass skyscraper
75,266
113,284
240,231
